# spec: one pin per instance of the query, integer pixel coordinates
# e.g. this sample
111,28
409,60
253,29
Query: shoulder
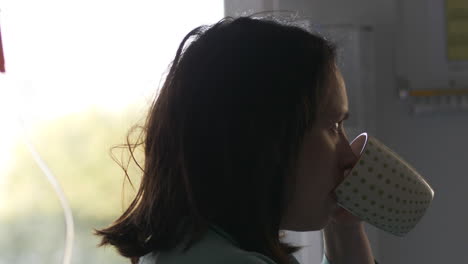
155,258
211,249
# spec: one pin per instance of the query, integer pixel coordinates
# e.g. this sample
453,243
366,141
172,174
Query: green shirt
215,247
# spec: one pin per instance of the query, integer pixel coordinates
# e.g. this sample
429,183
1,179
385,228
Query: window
79,74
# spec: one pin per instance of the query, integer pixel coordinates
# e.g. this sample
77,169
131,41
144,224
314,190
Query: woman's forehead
335,101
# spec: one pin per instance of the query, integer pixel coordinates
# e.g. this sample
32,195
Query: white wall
436,145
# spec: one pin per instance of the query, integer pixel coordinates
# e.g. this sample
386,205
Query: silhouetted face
324,157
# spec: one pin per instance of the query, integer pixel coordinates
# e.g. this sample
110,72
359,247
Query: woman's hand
343,217
345,239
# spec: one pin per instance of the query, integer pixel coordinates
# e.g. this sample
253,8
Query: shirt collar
223,234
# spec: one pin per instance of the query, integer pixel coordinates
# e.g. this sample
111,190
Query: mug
382,189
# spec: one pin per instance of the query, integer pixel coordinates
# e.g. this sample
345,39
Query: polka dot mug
382,189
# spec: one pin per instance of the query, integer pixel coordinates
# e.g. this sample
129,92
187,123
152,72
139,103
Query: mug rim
366,140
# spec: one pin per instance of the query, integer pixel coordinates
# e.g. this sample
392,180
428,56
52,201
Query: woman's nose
349,157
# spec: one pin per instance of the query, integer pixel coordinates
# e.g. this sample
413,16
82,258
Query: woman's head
225,136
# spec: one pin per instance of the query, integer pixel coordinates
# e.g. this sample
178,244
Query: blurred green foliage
76,148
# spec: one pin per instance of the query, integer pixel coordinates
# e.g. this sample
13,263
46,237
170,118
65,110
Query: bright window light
63,58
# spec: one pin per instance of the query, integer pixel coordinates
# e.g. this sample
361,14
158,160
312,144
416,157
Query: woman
245,138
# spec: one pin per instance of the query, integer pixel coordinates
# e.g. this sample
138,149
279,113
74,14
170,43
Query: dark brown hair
223,135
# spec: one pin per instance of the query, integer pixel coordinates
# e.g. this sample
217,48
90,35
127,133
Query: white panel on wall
421,47
427,77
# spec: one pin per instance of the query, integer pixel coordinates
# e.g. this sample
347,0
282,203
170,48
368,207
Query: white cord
69,226
69,236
